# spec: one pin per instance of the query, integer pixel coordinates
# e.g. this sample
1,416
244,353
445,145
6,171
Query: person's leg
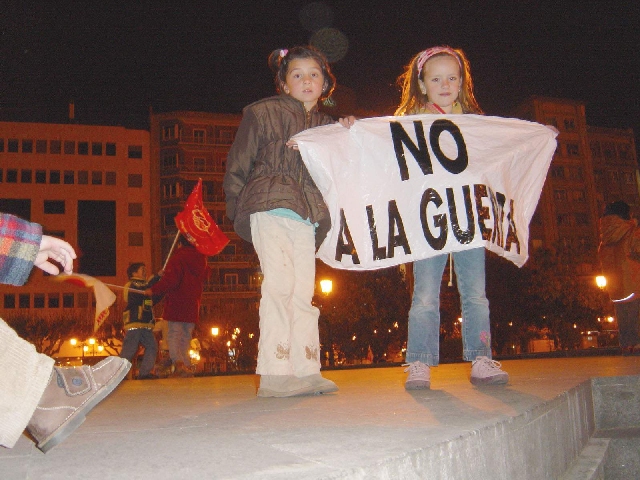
174,332
25,376
423,341
305,335
273,241
187,333
627,314
469,266
148,341
130,344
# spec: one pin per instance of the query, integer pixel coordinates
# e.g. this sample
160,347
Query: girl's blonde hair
413,100
280,59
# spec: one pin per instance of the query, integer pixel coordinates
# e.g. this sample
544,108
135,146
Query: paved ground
216,428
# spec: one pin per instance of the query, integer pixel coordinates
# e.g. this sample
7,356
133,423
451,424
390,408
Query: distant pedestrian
438,81
619,253
275,204
138,320
181,286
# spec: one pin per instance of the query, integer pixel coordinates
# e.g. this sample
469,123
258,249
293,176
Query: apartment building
186,146
87,184
590,167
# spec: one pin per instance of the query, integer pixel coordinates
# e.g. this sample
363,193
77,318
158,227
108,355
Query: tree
47,333
365,309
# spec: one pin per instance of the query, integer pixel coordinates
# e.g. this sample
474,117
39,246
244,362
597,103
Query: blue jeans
179,340
423,343
144,337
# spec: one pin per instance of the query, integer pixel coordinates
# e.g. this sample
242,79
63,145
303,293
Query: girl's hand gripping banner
401,189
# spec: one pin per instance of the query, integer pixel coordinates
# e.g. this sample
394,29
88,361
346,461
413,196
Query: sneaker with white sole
419,376
485,371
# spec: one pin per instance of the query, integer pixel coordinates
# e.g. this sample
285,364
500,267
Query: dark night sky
115,62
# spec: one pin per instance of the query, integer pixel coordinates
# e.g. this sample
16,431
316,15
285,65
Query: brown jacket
619,242
264,174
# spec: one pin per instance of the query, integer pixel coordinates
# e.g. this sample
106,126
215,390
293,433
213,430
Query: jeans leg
628,322
423,342
148,341
130,344
469,266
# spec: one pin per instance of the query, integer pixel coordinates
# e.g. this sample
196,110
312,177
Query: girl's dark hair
133,268
618,208
279,64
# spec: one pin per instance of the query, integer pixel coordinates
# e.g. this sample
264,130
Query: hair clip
283,52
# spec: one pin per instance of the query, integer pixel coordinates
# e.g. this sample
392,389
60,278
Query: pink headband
430,52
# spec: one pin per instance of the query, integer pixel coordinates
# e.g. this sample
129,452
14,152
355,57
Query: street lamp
601,281
326,286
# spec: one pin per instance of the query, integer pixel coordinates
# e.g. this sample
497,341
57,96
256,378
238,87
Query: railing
202,141
231,288
249,258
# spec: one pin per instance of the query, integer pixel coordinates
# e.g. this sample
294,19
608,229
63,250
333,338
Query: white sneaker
485,371
419,376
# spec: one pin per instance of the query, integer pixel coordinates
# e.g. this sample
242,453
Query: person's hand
148,292
292,144
347,122
55,249
553,129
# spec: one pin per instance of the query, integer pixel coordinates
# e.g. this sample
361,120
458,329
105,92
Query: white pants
24,374
289,338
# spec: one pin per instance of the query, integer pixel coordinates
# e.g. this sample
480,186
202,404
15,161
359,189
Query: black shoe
149,376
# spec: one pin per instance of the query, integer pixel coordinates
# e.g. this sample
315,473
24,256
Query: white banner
401,189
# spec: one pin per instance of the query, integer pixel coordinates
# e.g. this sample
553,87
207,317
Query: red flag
195,223
104,296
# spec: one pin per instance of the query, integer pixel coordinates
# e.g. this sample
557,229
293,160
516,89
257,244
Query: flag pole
175,240
122,288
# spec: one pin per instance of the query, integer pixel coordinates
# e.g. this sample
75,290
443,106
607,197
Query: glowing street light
601,281
215,331
326,286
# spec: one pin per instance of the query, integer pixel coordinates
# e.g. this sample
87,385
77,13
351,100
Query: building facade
87,184
591,167
186,146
